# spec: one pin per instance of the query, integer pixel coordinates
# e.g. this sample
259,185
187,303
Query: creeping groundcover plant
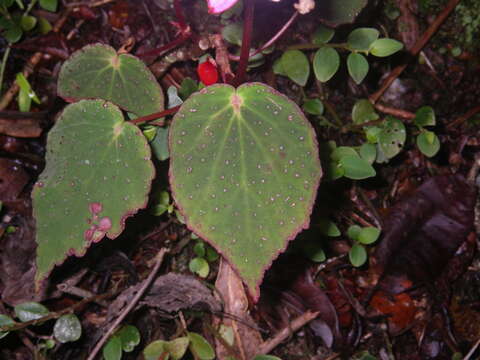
244,165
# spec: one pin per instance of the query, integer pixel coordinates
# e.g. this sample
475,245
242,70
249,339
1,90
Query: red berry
207,72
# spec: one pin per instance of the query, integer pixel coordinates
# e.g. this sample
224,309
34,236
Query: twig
461,119
246,41
4,62
56,314
272,40
416,49
185,33
130,306
472,350
31,63
395,112
294,326
154,116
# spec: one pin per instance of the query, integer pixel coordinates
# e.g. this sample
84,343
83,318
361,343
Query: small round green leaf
322,35
353,232
156,350
368,235
342,151
160,144
363,111
49,5
278,67
428,143
28,22
199,249
392,137
357,67
201,347
67,328
314,251
129,336
326,63
385,47
296,65
199,266
313,106
233,33
425,116
362,38
97,71
177,347
4,321
357,255
368,152
98,173
328,227
356,168
113,349
244,171
30,311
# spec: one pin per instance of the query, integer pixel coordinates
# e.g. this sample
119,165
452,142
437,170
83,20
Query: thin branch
246,41
294,326
461,119
130,306
416,49
272,40
155,116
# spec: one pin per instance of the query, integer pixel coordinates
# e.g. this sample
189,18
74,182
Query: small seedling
361,237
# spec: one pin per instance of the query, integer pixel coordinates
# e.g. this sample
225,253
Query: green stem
30,7
317,46
4,63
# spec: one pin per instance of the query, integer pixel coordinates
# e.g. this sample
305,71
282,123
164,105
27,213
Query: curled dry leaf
423,232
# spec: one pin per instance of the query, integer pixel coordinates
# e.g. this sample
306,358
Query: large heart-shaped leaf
98,173
97,71
244,172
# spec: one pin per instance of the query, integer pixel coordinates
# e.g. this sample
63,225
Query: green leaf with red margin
98,173
97,71
244,171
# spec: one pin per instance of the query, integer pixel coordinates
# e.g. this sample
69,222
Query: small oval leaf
4,321
30,311
129,336
113,349
357,67
357,255
385,47
326,63
296,65
362,38
356,168
428,143
67,328
202,349
368,235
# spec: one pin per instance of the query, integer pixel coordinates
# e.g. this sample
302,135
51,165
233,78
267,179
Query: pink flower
218,6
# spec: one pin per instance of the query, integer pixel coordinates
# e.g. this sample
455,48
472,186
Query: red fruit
207,72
